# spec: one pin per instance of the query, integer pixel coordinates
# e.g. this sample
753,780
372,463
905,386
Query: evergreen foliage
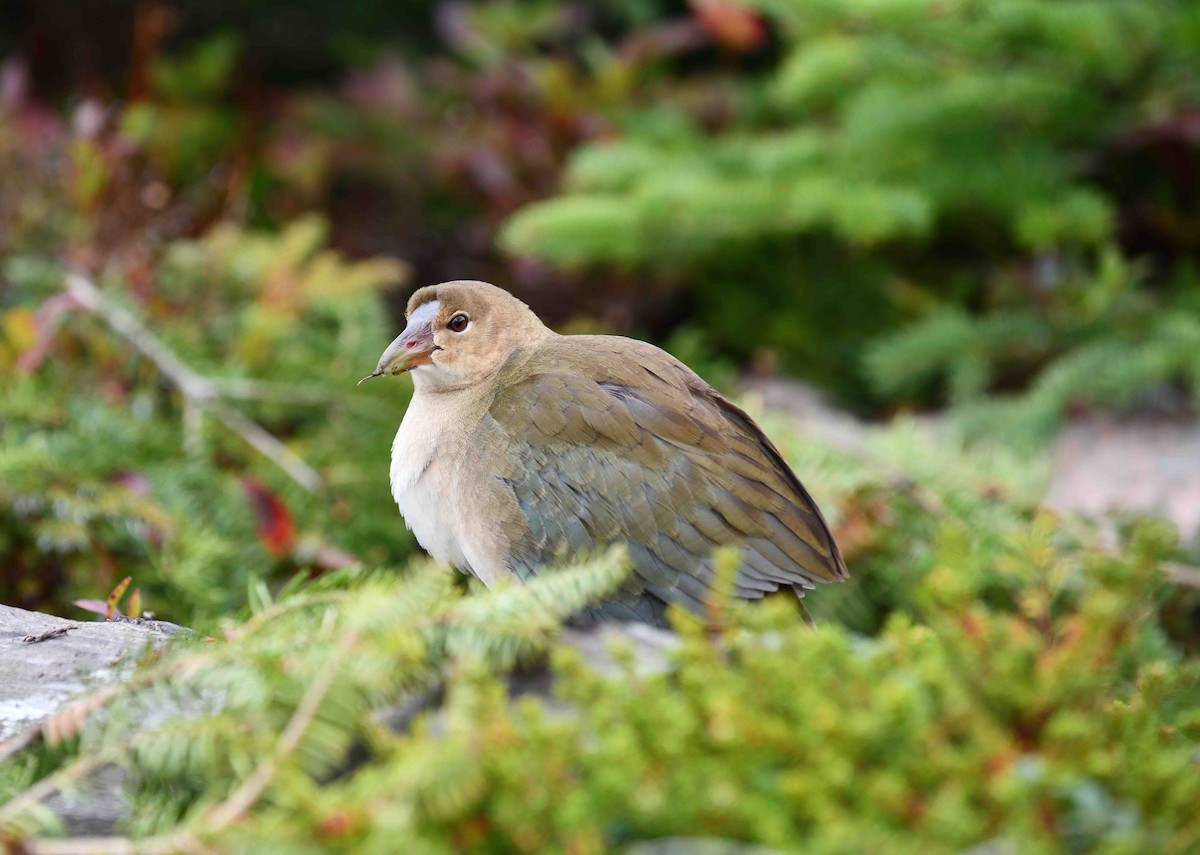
108,471
907,161
1098,343
1030,692
1031,700
987,203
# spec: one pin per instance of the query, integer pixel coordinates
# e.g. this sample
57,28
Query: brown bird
522,446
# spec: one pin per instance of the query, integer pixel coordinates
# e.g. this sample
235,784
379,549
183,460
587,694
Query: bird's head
459,334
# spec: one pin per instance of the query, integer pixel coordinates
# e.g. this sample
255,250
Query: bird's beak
412,348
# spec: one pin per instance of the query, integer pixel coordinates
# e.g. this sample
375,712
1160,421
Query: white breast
419,483
441,508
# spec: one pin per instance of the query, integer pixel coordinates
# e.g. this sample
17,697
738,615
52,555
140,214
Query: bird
522,447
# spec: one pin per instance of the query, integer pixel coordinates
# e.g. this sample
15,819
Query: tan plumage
521,447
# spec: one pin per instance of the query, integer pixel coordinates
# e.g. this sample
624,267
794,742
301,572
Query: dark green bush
912,161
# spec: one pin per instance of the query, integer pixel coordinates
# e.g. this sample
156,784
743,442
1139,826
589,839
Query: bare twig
203,393
1181,574
48,634
81,846
170,844
14,745
260,390
267,445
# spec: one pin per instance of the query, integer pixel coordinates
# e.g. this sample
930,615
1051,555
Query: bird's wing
656,459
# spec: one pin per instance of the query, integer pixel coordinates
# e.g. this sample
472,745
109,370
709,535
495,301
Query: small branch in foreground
202,393
14,745
47,635
259,390
81,846
1182,574
176,844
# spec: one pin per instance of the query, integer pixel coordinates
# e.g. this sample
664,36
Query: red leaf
276,528
730,24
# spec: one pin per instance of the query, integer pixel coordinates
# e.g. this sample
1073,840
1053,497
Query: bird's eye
459,322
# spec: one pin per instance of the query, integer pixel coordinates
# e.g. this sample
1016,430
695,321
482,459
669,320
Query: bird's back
612,440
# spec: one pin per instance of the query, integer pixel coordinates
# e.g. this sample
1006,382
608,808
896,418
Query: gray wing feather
598,463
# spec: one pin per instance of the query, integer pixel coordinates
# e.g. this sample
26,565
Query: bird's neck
434,380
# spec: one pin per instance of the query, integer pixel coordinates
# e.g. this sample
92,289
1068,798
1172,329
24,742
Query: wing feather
658,460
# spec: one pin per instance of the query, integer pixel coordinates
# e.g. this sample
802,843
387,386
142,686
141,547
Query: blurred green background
991,207
969,225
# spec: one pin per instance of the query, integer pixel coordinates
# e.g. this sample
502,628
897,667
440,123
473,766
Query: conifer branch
203,393
244,798
216,819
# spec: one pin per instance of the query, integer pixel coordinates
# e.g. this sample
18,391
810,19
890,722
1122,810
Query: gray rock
39,679
97,807
47,662
1104,464
648,646
1100,464
811,410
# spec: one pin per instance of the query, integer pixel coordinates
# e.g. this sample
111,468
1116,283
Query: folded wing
647,454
